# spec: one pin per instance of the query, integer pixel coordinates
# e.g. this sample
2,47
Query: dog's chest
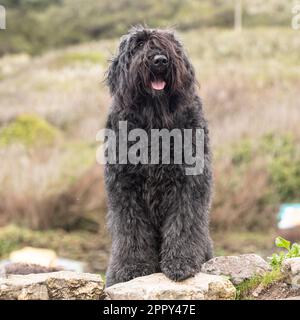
159,187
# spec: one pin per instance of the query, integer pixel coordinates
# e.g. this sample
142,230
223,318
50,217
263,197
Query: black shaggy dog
158,215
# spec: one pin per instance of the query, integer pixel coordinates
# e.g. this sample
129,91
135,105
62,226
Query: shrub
272,165
29,130
284,165
50,187
242,152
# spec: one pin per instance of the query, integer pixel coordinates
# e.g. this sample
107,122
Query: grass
240,242
79,58
50,185
29,130
13,237
250,88
78,245
246,288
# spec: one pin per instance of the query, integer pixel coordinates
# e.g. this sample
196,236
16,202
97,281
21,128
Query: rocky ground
245,276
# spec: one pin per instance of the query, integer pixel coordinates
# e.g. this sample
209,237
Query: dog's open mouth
158,85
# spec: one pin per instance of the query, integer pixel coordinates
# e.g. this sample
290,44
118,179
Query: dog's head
150,62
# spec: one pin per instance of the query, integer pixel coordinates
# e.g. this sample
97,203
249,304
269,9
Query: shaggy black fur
158,215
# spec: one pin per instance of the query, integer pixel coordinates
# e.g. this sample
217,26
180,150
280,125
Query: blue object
289,215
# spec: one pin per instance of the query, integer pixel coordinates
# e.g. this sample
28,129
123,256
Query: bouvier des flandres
158,215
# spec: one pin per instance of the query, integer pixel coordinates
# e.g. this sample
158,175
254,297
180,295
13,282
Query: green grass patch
245,289
71,58
68,244
242,152
29,130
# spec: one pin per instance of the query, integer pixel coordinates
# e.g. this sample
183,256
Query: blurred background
53,56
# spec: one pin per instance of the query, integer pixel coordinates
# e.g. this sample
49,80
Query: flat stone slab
158,287
63,285
293,298
237,268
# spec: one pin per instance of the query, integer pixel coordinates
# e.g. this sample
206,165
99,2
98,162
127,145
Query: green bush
242,152
284,165
29,130
37,25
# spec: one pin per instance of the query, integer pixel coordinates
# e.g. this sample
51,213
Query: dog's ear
189,71
111,75
114,70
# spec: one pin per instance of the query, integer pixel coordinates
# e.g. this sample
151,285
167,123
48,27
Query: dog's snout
160,60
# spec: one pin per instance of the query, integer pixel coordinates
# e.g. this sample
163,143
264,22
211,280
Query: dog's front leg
135,243
186,243
134,254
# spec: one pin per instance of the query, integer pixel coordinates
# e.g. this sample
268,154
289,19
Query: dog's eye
140,44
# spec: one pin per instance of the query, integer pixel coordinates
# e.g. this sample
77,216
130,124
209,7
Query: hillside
52,106
35,26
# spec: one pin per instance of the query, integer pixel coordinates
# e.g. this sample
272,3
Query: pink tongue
158,85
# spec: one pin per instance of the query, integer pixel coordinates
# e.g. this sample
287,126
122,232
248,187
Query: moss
29,130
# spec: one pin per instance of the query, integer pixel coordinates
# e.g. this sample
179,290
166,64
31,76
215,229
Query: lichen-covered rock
26,268
237,268
63,285
291,270
158,286
83,286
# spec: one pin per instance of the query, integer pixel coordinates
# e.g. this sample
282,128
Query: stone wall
218,280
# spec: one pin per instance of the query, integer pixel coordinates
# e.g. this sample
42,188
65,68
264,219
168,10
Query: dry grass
249,84
49,187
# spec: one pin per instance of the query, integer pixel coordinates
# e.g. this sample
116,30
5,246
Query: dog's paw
179,269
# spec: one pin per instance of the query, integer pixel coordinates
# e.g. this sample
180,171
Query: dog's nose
160,60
